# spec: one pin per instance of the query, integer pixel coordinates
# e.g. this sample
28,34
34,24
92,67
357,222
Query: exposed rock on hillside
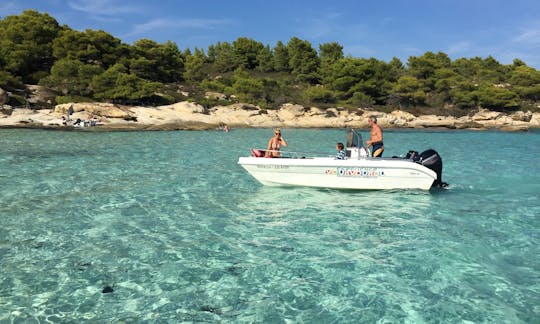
3,97
189,115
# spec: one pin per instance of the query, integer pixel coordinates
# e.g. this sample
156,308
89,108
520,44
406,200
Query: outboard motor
431,160
412,155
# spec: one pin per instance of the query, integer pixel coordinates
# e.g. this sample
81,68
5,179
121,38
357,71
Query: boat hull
359,174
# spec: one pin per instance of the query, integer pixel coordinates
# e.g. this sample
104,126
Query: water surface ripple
181,233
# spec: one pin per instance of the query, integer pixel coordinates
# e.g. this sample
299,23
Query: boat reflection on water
294,202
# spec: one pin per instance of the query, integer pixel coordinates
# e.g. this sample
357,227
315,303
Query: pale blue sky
382,29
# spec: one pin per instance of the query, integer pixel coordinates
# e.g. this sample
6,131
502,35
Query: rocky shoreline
191,116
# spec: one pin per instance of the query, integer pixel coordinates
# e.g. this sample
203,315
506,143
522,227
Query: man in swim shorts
375,141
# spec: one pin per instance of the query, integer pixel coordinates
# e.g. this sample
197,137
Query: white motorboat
357,171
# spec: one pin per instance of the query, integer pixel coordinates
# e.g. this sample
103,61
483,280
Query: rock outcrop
98,109
189,115
3,97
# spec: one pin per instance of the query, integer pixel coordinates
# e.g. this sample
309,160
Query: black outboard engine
431,160
412,155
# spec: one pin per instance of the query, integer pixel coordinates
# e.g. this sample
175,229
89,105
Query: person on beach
376,138
341,154
70,112
274,144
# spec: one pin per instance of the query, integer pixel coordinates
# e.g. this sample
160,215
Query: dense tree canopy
26,45
89,47
94,65
156,62
303,60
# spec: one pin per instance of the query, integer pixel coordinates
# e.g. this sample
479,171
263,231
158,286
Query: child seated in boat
341,154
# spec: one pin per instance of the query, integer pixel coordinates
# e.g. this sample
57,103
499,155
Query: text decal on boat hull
356,172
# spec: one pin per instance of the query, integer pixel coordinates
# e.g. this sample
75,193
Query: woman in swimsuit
274,144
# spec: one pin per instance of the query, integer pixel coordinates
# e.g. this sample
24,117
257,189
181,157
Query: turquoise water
181,233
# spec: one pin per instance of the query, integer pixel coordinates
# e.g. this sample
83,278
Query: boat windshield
354,139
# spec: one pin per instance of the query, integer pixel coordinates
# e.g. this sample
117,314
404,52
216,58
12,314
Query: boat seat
257,153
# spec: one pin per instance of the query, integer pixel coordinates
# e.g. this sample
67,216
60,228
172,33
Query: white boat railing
290,154
352,153
355,150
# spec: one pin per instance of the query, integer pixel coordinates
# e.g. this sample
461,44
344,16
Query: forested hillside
96,66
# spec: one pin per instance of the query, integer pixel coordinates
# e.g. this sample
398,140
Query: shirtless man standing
375,141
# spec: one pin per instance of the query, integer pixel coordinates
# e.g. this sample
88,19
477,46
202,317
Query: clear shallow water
182,233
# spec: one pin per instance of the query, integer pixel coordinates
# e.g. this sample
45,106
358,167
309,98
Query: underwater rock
107,289
211,309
